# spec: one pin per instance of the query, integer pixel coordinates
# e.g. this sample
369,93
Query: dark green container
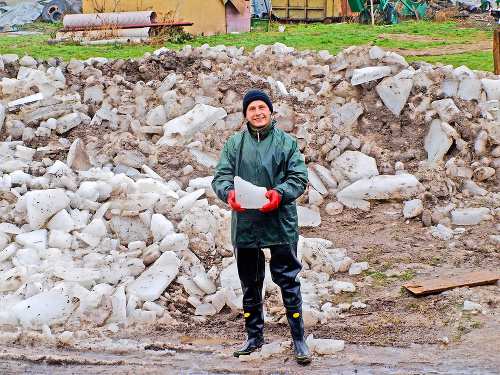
259,24
356,5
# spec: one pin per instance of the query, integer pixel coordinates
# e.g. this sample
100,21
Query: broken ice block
248,195
368,74
51,307
307,217
468,216
42,204
152,282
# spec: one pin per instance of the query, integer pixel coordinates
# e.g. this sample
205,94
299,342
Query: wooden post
371,11
496,50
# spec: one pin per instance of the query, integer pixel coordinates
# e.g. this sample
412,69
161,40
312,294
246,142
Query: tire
392,16
364,17
51,7
56,16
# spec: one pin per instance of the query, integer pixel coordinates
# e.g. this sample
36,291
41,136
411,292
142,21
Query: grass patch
311,36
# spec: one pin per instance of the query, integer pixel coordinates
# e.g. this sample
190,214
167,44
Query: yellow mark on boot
247,315
296,315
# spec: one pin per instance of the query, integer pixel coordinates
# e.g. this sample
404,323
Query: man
265,156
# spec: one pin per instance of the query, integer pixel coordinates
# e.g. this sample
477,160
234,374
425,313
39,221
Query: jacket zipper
258,135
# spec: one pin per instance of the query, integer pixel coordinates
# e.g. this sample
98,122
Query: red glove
235,206
275,200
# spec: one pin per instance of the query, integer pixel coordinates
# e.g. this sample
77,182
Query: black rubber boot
254,324
302,353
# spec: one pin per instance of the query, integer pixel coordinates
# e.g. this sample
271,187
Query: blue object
260,8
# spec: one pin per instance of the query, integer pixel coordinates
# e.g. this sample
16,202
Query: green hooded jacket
271,160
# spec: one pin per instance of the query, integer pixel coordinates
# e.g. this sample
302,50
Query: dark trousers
284,267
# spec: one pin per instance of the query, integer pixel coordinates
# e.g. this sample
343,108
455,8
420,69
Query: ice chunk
446,109
83,276
469,87
229,277
181,129
412,208
368,74
394,91
51,307
491,86
397,187
324,346
469,216
308,217
42,204
175,242
205,309
203,158
326,176
154,280
249,195
355,165
187,201
13,279
316,182
36,240
345,117
472,306
161,227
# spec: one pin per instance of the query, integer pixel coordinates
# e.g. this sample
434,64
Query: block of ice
154,280
203,158
42,204
83,276
446,109
175,242
325,175
308,217
13,279
438,140
249,195
161,227
316,182
396,187
345,117
36,240
368,74
183,128
61,221
469,216
51,307
343,286
355,165
394,91
229,277
412,208
187,201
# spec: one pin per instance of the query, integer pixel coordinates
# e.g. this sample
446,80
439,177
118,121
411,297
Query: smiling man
268,157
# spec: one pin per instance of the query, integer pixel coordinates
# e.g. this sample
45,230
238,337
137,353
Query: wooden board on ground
442,284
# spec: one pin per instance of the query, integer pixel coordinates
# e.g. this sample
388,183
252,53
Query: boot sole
248,352
303,360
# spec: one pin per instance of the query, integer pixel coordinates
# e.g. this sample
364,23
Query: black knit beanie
253,95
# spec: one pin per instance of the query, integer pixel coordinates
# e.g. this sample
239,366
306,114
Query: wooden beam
496,50
442,284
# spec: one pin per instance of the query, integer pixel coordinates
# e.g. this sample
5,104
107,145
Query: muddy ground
396,333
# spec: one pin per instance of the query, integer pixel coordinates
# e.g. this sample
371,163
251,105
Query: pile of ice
100,236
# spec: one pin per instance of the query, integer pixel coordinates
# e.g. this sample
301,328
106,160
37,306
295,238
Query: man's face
258,114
